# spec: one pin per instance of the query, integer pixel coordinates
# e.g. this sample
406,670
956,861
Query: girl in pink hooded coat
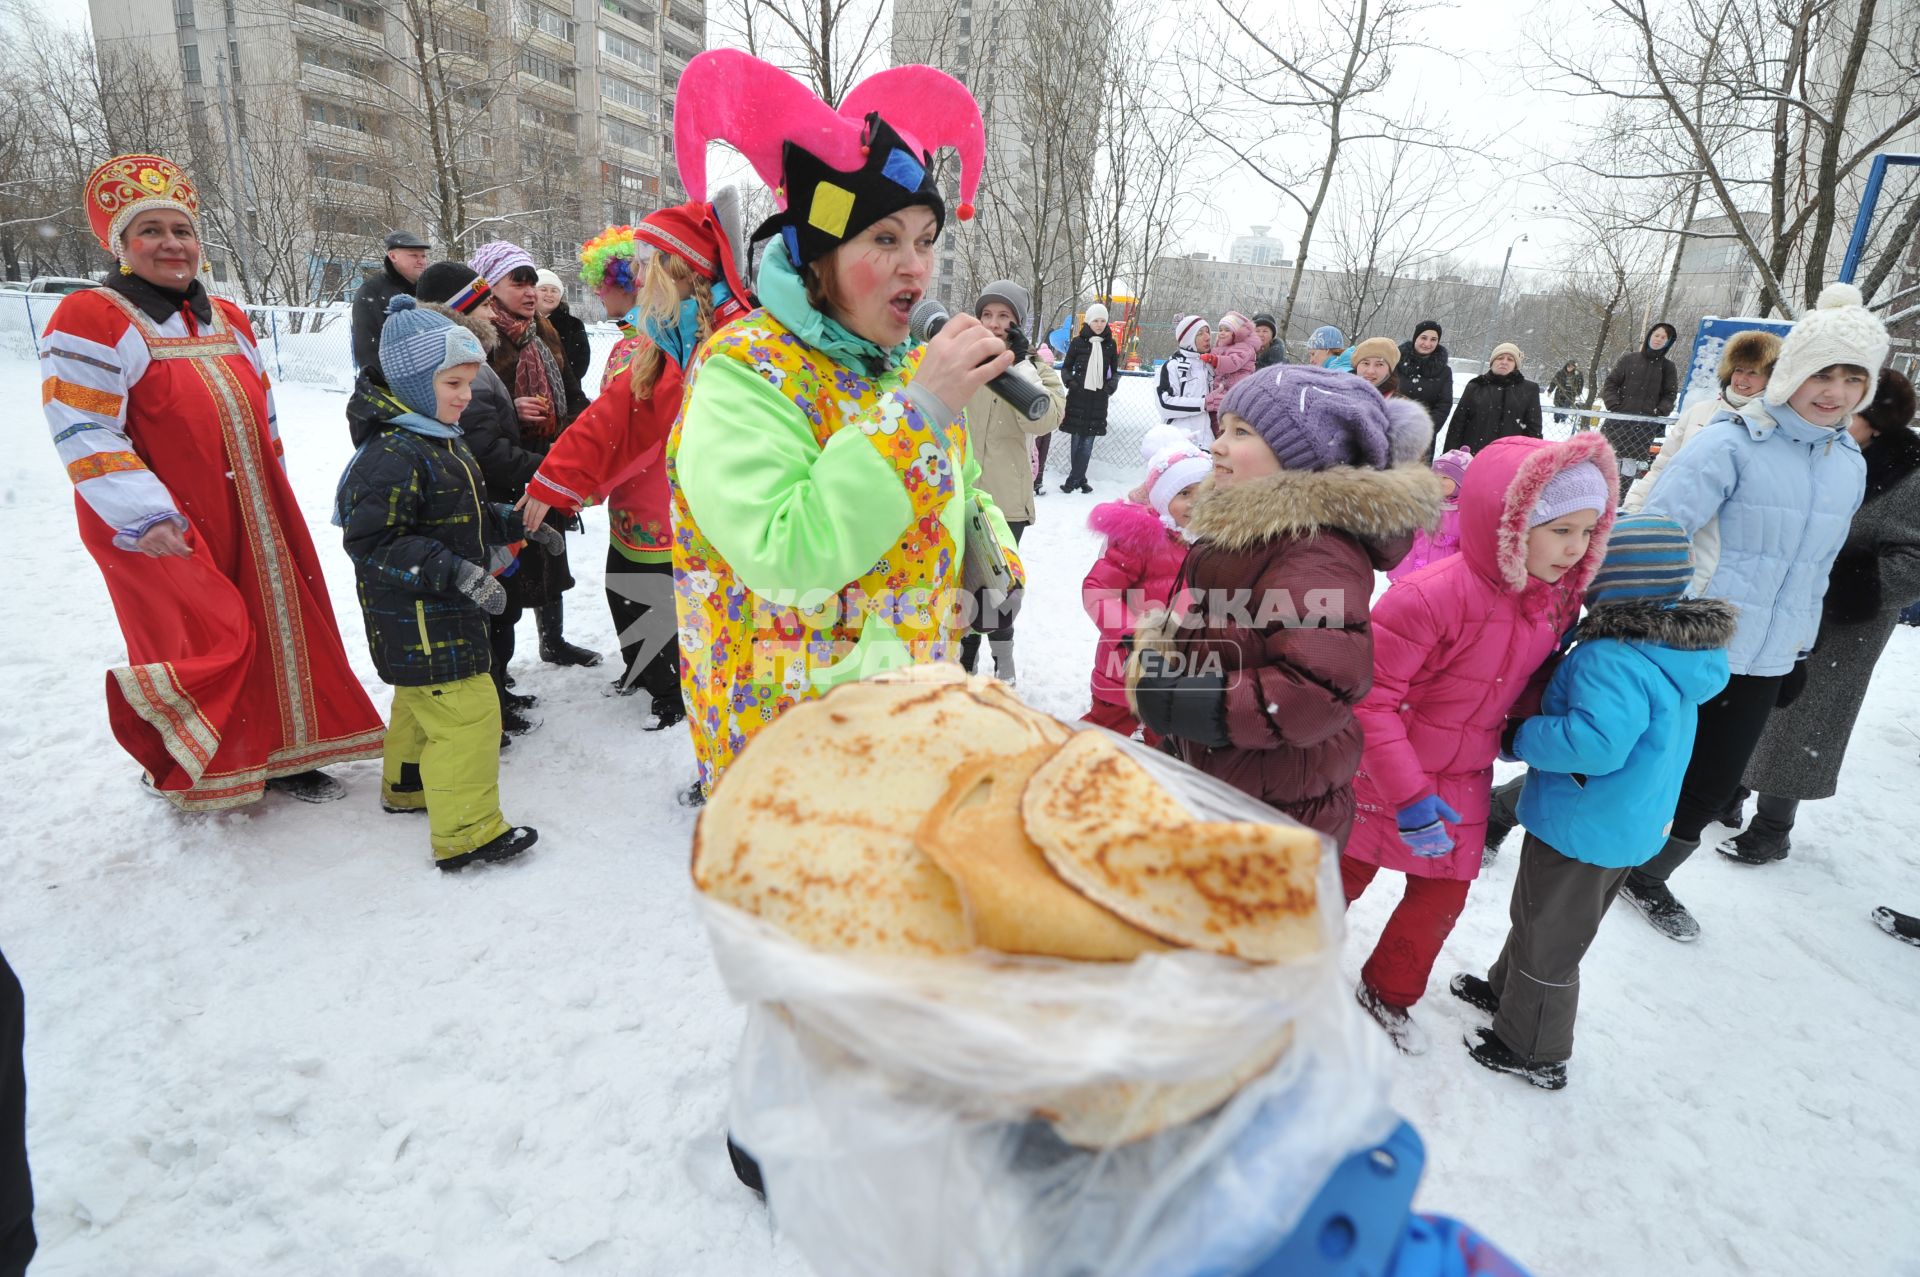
1461,653
1235,347
1141,564
1443,542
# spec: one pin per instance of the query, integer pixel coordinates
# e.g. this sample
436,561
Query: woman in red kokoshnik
236,680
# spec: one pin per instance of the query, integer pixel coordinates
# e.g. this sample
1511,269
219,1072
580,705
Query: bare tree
1285,75
829,44
1776,105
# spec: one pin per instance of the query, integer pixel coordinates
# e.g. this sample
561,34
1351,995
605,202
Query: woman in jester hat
820,474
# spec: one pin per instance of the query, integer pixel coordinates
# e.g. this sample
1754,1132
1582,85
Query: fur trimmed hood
1691,625
1370,504
478,325
1133,527
1502,487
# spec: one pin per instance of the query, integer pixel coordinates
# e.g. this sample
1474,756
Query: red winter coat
1300,547
616,450
1462,645
1133,577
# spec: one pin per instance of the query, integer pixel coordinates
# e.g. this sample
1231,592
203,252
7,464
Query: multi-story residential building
330,122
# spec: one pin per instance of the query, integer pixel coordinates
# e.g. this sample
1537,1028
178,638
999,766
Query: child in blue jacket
1607,754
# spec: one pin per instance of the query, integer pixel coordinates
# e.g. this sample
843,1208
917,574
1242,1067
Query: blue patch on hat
791,238
903,170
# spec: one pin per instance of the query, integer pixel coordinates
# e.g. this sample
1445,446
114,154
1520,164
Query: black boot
1766,839
692,796
519,701
554,648
1734,814
1899,925
970,651
1490,1052
1475,992
1668,916
1497,832
309,787
505,847
515,723
405,789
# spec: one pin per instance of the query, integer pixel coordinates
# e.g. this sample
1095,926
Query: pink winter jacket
1134,576
1431,547
1233,356
1458,648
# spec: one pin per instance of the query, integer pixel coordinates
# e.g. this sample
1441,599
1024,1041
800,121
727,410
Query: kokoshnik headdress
128,185
833,173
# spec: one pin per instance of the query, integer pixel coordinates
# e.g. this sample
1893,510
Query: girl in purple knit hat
1317,484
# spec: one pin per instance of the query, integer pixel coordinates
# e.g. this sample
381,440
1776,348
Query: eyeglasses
524,275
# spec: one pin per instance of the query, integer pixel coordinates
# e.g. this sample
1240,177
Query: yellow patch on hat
830,209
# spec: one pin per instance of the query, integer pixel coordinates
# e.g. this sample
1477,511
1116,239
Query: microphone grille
925,318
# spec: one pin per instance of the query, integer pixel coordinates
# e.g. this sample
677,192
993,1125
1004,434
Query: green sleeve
787,514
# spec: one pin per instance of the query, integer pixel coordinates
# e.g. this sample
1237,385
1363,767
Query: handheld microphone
1028,399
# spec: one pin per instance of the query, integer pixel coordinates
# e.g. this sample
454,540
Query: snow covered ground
277,1041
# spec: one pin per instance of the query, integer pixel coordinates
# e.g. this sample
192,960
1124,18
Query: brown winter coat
1305,545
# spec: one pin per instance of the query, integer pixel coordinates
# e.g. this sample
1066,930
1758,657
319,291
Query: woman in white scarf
1092,373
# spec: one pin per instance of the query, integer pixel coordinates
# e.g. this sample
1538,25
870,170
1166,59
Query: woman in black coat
1497,403
1424,374
1091,373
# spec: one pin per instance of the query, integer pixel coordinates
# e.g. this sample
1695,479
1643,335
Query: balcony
340,139
690,34
540,40
628,114
532,86
340,84
329,28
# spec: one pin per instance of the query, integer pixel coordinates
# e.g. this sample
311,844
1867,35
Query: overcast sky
1478,86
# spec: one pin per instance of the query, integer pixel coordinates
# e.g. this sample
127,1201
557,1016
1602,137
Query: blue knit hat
415,345
1326,337
1649,560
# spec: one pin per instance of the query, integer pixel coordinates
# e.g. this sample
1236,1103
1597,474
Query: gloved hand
1192,707
1793,684
1017,342
473,581
548,538
1507,740
1421,830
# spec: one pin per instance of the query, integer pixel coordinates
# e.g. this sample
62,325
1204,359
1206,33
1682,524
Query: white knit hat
1187,330
1096,311
1838,330
1174,463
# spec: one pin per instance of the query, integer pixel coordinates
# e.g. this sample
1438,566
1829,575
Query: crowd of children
1523,623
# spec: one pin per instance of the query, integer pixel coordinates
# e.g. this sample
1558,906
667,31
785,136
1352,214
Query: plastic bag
892,1102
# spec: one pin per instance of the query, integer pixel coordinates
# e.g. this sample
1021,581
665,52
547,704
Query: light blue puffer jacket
1785,492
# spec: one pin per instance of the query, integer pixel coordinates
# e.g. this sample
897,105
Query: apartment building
331,122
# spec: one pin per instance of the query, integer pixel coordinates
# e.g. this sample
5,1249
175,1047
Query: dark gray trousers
1558,903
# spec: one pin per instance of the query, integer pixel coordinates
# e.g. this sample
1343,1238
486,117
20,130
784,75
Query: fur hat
1649,560
496,260
1580,487
1008,294
833,172
1754,348
1453,464
1378,348
1314,419
1326,337
415,345
1838,330
1186,329
1892,404
1174,463
1507,348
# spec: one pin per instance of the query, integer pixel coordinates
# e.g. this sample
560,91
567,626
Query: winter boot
309,787
1475,992
1003,660
1407,1036
692,796
554,648
970,650
505,847
1488,1050
1762,843
520,702
663,716
406,796
1497,832
1899,925
1668,916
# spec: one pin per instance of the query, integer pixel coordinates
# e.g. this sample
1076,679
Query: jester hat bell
833,173
128,185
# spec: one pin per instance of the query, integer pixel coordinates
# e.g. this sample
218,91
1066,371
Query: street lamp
1500,293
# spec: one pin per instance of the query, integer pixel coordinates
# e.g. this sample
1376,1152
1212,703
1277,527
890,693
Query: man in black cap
406,258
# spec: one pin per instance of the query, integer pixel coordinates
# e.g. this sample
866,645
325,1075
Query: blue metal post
1863,220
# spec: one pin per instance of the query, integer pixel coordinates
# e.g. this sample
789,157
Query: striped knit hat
415,345
1649,560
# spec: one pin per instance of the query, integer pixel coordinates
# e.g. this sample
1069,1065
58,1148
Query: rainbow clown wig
833,173
610,257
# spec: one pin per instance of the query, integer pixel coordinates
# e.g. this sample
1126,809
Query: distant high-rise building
1259,249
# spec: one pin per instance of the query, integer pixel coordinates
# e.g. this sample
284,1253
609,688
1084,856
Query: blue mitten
1421,830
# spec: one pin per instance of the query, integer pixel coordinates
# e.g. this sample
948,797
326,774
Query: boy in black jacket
425,543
